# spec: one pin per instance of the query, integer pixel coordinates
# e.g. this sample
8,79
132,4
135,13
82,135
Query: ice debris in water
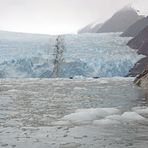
141,110
88,115
105,122
132,116
103,116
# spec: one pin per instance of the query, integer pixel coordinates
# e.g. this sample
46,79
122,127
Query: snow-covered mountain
88,55
91,28
119,22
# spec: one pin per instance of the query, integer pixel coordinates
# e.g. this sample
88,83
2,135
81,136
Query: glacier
87,55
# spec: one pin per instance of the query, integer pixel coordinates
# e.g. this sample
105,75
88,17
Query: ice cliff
88,55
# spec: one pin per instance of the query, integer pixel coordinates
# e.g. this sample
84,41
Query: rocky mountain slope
142,79
140,42
134,29
120,21
91,28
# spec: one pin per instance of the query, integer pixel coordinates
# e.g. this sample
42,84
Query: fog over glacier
88,55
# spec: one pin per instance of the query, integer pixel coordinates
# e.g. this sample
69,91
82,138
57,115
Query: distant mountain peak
119,22
91,28
132,8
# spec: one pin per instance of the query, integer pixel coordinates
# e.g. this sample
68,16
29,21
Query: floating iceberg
101,116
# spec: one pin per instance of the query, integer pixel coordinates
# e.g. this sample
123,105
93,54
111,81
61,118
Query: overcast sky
58,16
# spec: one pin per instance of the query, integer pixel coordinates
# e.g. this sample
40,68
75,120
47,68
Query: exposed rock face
91,28
137,27
139,67
140,42
120,21
142,81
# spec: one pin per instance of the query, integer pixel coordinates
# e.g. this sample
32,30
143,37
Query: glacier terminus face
87,55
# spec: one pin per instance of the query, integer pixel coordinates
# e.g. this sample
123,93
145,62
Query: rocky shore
142,81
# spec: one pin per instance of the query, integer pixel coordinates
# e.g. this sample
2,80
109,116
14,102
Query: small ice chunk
108,111
132,116
114,117
79,88
13,90
103,81
58,123
81,117
79,77
88,115
111,111
70,145
105,122
141,110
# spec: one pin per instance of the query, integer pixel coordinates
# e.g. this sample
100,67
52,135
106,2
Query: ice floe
105,122
132,116
141,110
103,116
88,115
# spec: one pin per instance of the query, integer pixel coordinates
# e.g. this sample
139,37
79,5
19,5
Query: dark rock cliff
140,43
142,81
134,29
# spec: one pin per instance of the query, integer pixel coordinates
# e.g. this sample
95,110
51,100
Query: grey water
30,107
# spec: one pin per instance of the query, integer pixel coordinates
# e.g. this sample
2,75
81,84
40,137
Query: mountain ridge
118,22
121,20
140,43
135,28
